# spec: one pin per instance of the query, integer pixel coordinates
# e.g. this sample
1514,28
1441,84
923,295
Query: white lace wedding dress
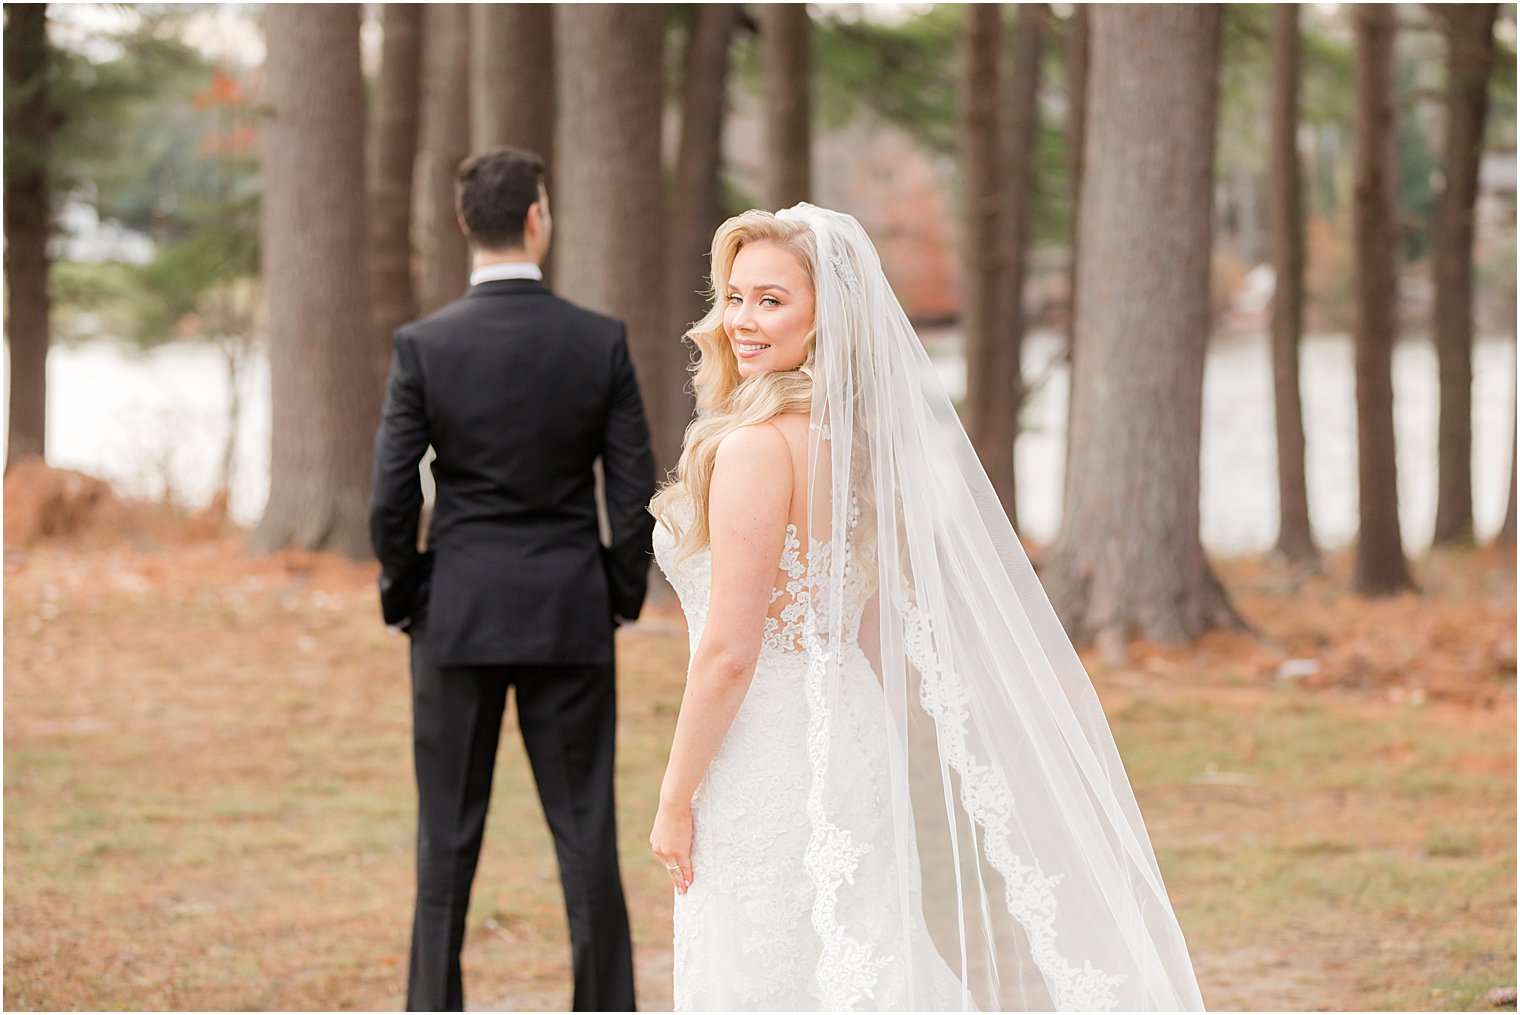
750,933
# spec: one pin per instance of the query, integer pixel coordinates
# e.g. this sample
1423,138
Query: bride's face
769,309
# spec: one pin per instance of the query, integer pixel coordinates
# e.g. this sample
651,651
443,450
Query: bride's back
792,594
783,621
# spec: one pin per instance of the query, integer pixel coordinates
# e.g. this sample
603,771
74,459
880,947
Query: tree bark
1018,140
1380,565
786,61
1505,537
609,214
1129,560
324,397
29,124
445,255
1469,30
1076,126
981,272
1295,539
696,202
512,77
397,99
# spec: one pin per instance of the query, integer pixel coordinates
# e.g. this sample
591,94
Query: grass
209,804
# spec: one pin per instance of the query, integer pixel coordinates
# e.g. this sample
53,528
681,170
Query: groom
518,392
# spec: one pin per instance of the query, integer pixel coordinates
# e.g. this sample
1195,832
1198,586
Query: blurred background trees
1295,540
1380,564
443,253
30,120
966,139
1469,38
395,112
609,207
323,382
1129,559
136,189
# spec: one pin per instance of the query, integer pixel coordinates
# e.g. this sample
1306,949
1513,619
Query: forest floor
209,800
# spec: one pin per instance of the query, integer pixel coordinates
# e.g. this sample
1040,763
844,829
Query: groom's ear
540,207
459,217
536,221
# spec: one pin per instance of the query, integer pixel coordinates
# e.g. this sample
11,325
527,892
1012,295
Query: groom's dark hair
493,191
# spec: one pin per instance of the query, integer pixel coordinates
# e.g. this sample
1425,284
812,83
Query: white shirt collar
506,269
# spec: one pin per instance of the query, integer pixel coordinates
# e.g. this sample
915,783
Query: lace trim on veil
1029,892
847,969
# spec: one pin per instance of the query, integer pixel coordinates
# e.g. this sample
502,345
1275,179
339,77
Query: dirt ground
209,800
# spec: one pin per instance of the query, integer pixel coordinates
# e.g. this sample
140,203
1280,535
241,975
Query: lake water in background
156,422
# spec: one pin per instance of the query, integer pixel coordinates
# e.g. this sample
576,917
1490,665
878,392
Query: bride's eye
771,301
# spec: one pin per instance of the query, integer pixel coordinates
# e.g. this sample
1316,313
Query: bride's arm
748,501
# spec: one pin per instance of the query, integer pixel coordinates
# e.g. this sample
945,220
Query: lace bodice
801,588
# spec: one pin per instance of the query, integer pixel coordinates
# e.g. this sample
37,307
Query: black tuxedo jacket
518,392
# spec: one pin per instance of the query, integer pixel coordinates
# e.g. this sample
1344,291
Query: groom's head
502,203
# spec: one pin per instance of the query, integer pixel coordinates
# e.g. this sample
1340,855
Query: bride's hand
671,842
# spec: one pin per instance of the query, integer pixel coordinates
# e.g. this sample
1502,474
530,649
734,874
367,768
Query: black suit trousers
568,715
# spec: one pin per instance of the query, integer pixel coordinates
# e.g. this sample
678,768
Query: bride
891,784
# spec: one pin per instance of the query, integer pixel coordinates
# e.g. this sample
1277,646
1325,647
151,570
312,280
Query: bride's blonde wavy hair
725,400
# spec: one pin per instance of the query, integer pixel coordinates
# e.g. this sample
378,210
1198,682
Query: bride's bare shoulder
747,448
792,427
751,477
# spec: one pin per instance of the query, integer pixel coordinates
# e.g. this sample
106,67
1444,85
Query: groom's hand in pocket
671,842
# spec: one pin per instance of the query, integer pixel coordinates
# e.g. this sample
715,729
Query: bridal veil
1009,804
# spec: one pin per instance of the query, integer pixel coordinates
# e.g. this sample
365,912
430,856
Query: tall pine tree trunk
1380,565
696,202
609,210
397,96
29,122
786,60
1129,560
1076,127
1018,140
981,272
445,254
1295,539
512,77
1469,30
324,396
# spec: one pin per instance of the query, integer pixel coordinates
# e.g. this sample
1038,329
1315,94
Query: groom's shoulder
548,307
443,319
582,319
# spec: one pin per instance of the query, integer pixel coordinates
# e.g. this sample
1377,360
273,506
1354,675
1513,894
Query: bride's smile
768,310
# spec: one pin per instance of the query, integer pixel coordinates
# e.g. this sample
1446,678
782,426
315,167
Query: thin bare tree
1018,144
695,202
981,273
786,61
29,124
1380,565
393,159
1076,126
1469,31
1505,537
1295,539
